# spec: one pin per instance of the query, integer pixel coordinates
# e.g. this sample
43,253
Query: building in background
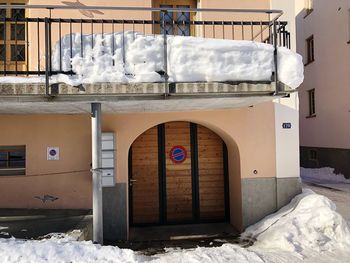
323,38
172,153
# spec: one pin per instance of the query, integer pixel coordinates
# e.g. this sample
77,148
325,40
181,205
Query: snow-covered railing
62,42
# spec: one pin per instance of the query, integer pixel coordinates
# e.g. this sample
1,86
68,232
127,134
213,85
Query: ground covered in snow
134,57
325,175
307,230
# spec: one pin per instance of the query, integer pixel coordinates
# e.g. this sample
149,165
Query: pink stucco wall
329,74
248,132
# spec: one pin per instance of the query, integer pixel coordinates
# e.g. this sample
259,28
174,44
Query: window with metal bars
12,34
175,23
12,160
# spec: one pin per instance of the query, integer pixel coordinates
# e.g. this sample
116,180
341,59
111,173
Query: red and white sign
53,153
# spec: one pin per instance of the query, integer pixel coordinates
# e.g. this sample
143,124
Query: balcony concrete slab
20,106
24,98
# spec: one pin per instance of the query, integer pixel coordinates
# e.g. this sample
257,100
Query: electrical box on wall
108,159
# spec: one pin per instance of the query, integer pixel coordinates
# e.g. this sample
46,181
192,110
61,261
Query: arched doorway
178,174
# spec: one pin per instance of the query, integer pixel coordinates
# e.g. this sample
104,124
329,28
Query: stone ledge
19,89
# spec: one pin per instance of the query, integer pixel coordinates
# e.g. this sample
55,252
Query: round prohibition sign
52,152
178,154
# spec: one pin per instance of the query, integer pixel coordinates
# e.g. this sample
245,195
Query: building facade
324,95
202,156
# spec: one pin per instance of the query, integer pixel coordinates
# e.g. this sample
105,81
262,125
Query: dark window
2,11
12,160
312,155
18,13
183,19
312,103
18,30
18,53
2,31
310,50
2,52
349,24
175,23
166,20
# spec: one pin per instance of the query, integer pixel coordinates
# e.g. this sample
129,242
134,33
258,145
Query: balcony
89,53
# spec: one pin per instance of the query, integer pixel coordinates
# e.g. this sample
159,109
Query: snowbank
323,175
309,225
190,59
306,230
54,251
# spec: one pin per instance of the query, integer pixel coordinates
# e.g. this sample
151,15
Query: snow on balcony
132,57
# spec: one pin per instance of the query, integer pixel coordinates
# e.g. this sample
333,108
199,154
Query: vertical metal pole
165,55
275,55
96,173
47,63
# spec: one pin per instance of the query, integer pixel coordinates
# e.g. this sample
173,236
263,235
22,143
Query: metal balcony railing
27,41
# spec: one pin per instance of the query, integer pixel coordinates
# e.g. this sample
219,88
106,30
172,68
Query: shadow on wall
84,12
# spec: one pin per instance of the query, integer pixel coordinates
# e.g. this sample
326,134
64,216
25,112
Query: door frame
195,181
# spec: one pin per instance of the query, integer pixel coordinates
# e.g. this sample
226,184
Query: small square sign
53,153
286,125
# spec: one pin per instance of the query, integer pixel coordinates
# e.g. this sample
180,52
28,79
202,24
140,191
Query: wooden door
166,189
144,184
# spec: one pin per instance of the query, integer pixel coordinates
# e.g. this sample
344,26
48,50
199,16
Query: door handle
132,181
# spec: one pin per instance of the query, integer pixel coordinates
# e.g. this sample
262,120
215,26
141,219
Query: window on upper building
349,26
12,36
310,50
175,23
309,7
312,103
12,160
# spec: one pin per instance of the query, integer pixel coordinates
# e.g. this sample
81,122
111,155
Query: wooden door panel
145,190
178,176
211,175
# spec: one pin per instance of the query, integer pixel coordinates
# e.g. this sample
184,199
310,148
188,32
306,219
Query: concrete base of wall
263,196
326,157
287,188
115,213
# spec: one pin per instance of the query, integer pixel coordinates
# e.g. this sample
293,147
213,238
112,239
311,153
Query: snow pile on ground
54,251
306,230
190,59
322,175
225,253
309,225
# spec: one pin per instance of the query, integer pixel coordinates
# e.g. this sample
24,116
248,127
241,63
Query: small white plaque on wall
53,153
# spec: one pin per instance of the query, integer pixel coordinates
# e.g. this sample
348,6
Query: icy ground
307,230
134,57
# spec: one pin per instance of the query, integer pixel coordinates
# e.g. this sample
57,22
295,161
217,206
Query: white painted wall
287,142
287,109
